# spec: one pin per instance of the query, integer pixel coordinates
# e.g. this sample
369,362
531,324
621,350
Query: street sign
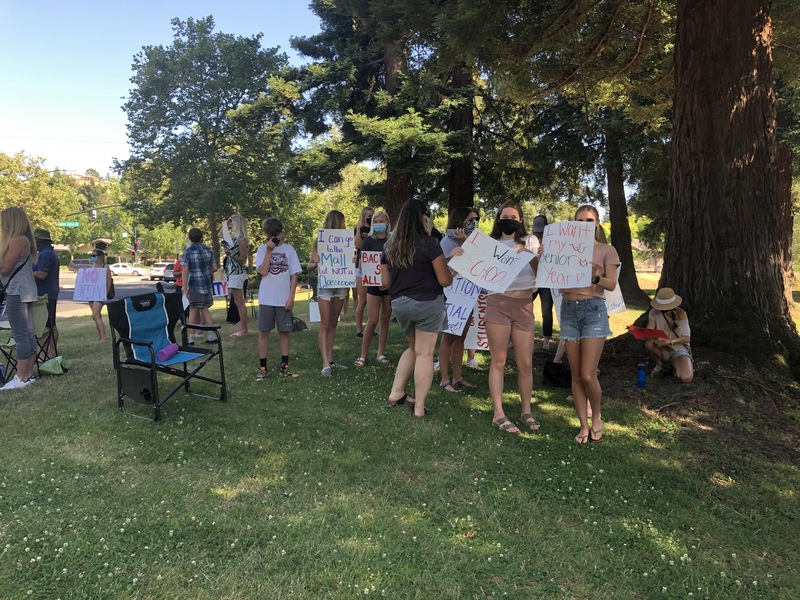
69,224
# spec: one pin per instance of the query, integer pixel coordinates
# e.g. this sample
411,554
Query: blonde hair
375,215
14,223
238,227
599,232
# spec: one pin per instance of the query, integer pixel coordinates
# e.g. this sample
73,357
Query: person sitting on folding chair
17,253
45,272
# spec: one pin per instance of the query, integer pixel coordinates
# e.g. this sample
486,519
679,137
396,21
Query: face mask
92,259
509,226
368,220
379,227
470,226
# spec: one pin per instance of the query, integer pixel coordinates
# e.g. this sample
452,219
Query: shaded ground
753,409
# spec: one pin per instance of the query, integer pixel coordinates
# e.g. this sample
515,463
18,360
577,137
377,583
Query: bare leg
361,303
523,351
335,310
97,317
263,344
238,299
498,336
684,370
373,312
405,366
326,311
385,316
445,349
424,345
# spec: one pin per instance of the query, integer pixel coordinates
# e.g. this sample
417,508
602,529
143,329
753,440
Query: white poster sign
489,264
90,285
567,258
476,336
460,299
371,268
336,249
615,303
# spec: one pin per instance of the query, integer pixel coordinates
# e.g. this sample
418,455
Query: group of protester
414,273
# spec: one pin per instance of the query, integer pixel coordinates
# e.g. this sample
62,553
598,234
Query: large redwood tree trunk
722,250
787,216
399,183
460,177
618,215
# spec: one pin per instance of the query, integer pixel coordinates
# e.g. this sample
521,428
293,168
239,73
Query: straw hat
666,299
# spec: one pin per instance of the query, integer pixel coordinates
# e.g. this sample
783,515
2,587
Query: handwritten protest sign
460,299
371,268
476,336
226,234
336,248
489,264
90,285
567,258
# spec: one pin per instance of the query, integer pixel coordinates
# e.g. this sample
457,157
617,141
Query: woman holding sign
98,260
331,301
460,223
509,316
378,302
17,255
584,327
416,274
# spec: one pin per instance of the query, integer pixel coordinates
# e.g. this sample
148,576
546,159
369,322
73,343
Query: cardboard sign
90,285
313,312
371,268
476,336
226,234
567,258
489,264
615,303
220,288
460,299
336,249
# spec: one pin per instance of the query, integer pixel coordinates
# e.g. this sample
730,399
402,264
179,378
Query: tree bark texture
399,184
722,248
787,216
618,215
461,177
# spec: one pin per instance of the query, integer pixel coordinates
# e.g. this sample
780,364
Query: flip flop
582,439
402,400
463,384
447,384
593,433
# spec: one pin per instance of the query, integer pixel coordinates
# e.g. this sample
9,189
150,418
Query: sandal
582,439
593,435
360,362
397,402
461,384
528,422
504,425
447,384
382,359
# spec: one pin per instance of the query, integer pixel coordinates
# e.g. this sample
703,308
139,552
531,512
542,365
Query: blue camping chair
144,325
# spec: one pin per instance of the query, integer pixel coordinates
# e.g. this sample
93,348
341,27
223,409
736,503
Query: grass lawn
314,488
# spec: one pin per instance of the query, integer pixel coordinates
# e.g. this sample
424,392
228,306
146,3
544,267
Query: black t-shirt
419,280
362,233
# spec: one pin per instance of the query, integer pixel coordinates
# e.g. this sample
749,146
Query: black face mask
509,226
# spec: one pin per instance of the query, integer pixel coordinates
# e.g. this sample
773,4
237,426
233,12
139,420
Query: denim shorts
331,293
429,316
582,319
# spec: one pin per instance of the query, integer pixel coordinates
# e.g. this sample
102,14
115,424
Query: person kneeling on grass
666,316
279,266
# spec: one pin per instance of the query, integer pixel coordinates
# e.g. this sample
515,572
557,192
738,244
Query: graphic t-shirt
276,284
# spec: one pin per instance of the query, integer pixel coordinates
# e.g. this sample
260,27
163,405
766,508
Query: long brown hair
400,245
520,234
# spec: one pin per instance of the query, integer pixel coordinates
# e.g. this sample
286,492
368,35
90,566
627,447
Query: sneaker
212,337
334,365
472,364
359,334
16,383
436,366
262,374
287,372
326,372
190,340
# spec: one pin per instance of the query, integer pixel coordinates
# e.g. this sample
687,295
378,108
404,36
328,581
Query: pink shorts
516,313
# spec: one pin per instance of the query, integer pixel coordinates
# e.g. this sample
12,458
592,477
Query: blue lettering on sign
333,259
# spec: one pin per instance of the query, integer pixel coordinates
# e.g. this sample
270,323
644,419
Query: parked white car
157,270
126,269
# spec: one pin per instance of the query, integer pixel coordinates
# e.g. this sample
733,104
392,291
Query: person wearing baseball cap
666,315
45,272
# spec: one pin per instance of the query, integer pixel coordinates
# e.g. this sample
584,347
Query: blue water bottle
641,375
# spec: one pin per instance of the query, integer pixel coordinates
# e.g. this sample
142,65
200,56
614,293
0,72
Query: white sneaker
212,337
17,383
472,364
436,366
326,372
190,340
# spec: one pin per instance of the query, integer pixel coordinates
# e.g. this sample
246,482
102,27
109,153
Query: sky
65,66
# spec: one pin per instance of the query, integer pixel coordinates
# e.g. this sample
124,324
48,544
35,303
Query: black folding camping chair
144,346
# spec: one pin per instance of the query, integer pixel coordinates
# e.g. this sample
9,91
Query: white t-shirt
276,286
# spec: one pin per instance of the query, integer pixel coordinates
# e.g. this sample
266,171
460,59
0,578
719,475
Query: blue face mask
92,259
379,227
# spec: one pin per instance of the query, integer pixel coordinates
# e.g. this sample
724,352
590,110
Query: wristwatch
595,279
